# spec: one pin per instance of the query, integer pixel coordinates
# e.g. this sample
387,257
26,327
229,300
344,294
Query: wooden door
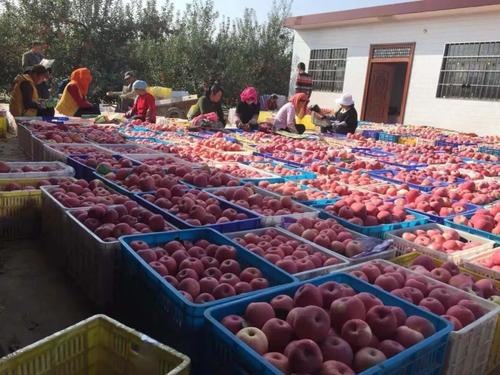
379,92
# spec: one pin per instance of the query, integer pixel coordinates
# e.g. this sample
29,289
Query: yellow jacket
16,105
67,105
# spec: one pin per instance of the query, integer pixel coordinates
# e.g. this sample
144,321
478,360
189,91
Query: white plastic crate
403,246
468,349
268,221
63,170
471,263
344,262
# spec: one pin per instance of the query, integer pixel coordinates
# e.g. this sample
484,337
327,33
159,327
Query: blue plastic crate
490,150
477,232
155,307
388,137
301,173
374,152
378,230
229,355
375,134
407,167
469,209
378,175
252,222
83,171
283,161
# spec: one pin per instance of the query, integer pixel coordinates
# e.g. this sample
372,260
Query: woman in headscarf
73,101
285,118
248,109
210,102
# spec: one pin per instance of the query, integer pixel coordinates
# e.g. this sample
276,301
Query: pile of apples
480,170
162,161
201,271
354,178
324,169
455,306
237,170
417,178
209,177
477,192
193,206
59,136
111,222
291,189
94,159
143,178
472,153
485,219
220,144
197,153
426,156
75,149
278,168
6,168
447,241
15,186
80,193
450,274
103,136
328,329
328,154
127,149
389,190
435,203
373,211
285,252
492,261
296,158
364,165
247,197
326,233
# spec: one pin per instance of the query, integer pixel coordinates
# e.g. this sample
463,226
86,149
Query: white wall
430,36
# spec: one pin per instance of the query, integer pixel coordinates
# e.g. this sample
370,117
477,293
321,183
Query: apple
390,348
336,348
234,323
366,358
407,336
278,360
311,322
304,356
332,367
344,309
357,333
279,333
254,338
382,321
258,313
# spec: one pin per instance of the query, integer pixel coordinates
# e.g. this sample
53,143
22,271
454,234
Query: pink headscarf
249,95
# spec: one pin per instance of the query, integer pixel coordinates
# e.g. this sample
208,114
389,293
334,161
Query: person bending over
248,109
285,118
144,106
73,101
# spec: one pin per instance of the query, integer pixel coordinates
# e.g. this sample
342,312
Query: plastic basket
283,161
231,356
468,349
379,230
378,175
263,175
25,140
490,150
373,152
19,211
268,221
408,166
55,151
118,149
478,232
403,246
98,345
300,174
343,261
471,263
157,307
386,137
371,134
62,171
469,209
252,222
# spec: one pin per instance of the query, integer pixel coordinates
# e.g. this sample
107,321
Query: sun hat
139,85
345,99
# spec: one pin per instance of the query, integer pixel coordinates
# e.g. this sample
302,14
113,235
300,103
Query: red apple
357,333
366,358
336,348
311,322
279,333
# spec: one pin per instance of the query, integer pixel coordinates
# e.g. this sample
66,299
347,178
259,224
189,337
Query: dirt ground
36,298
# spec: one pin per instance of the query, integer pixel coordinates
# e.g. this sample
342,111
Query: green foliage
182,50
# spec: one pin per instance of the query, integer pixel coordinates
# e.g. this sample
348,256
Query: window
327,68
470,71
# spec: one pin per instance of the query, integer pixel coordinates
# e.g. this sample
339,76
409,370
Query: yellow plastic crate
96,346
494,359
19,210
410,141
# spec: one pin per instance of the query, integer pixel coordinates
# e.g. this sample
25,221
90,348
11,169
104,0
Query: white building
432,62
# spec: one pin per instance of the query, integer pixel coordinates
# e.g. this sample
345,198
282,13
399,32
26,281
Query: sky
235,8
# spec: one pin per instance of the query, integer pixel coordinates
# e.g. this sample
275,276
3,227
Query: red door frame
372,60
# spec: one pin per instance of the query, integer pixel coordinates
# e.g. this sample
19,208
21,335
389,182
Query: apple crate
378,175
406,166
343,261
55,151
268,221
229,355
403,246
471,262
128,149
283,161
25,140
155,306
382,252
469,350
478,232
387,137
253,221
378,230
300,174
469,209
262,174
19,211
175,159
62,170
312,203
97,345
88,173
92,262
372,152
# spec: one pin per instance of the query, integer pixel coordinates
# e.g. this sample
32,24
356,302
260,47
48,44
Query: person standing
32,57
24,99
127,95
304,82
74,101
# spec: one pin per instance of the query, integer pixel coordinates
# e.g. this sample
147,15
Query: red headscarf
249,94
82,78
299,101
